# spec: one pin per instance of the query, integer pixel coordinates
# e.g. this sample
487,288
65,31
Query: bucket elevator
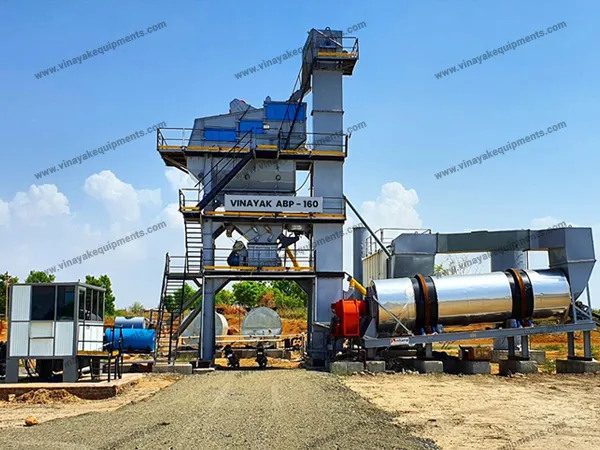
246,164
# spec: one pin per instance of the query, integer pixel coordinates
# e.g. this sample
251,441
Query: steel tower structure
246,163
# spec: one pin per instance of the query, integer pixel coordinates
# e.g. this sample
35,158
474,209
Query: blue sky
418,124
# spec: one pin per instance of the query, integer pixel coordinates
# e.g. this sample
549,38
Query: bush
292,313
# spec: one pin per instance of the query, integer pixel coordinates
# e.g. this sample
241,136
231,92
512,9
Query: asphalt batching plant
246,163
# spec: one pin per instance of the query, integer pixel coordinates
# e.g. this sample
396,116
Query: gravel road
272,409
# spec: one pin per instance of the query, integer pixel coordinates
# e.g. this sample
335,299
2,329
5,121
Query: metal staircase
220,185
174,278
227,163
193,244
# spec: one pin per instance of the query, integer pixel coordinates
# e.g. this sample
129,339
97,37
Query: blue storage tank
131,322
135,340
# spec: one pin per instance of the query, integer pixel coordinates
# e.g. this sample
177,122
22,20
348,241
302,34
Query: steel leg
525,347
587,344
511,347
571,344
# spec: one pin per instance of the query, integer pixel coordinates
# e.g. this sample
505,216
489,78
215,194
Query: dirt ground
49,407
246,409
537,412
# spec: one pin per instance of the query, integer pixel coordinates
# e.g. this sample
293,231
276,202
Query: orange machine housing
346,317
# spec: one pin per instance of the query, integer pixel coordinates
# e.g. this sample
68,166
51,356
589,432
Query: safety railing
176,264
258,259
305,143
190,139
314,143
386,236
333,207
329,45
348,49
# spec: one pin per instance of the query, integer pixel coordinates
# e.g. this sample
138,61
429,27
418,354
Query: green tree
295,295
137,308
173,301
225,297
248,293
39,277
109,298
5,280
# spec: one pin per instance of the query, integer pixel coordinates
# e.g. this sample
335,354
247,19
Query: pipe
292,257
385,250
423,303
356,285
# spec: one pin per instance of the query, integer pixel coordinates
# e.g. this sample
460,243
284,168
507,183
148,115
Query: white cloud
172,216
178,179
4,213
121,199
40,202
394,208
543,223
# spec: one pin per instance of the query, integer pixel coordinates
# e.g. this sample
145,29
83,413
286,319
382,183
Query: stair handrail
234,150
160,318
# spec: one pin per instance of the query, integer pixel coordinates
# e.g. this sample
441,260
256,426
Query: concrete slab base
88,390
346,367
539,356
424,365
203,371
375,366
456,366
183,369
510,366
577,366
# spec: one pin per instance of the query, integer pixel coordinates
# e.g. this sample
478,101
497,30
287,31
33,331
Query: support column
571,345
429,351
12,370
525,347
70,370
587,344
511,347
210,287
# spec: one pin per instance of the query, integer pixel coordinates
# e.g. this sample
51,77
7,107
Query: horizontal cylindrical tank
192,332
135,340
468,299
131,322
261,321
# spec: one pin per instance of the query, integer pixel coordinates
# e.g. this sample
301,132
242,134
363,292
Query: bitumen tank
192,332
261,321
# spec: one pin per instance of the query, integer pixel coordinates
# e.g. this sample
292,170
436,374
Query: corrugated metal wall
375,267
